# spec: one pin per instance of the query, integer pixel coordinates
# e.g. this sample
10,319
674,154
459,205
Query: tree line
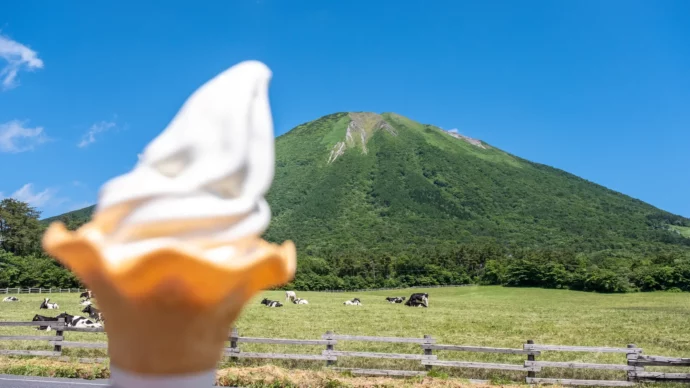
24,264
22,261
490,264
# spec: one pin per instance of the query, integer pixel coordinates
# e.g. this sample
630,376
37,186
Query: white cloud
27,194
18,57
47,201
90,136
453,130
16,137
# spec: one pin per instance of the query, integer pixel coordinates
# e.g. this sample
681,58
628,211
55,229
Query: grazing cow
290,295
68,317
271,303
43,318
83,322
353,302
11,299
86,303
300,301
418,300
87,295
47,305
78,321
395,299
93,312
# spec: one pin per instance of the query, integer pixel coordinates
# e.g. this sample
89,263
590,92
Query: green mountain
363,191
363,181
80,216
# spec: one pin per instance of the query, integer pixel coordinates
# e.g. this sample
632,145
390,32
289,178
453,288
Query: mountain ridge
425,155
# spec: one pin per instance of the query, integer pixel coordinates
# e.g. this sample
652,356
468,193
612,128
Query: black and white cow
290,296
70,321
11,299
78,321
93,312
418,300
87,295
395,299
300,301
271,303
47,305
353,302
43,318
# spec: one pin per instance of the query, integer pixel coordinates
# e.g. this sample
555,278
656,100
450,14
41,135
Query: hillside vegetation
682,230
380,200
417,186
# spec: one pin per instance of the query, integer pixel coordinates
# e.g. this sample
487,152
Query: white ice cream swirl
201,182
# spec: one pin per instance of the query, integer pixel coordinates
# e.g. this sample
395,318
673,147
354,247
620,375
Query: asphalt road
9,381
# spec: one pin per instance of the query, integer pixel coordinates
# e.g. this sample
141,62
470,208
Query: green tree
71,222
20,230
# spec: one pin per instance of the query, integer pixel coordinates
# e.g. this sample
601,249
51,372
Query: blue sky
598,88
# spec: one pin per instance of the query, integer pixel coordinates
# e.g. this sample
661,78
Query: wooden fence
35,290
634,367
19,290
396,288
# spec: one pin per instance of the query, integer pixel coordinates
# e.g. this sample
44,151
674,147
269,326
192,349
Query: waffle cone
169,311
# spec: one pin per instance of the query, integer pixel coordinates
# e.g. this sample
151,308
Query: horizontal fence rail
590,349
36,290
595,383
395,288
480,349
19,290
661,361
378,339
326,351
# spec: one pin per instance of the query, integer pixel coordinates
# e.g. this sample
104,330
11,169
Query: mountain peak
360,129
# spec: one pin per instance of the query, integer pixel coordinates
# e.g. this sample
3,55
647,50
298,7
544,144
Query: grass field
683,230
481,316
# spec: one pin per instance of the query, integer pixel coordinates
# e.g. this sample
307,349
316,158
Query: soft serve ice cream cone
173,251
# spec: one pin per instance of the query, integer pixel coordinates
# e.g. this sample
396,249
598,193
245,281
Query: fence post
632,361
59,332
427,351
329,347
233,342
530,357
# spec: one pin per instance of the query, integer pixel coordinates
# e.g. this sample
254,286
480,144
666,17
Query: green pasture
480,316
683,230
